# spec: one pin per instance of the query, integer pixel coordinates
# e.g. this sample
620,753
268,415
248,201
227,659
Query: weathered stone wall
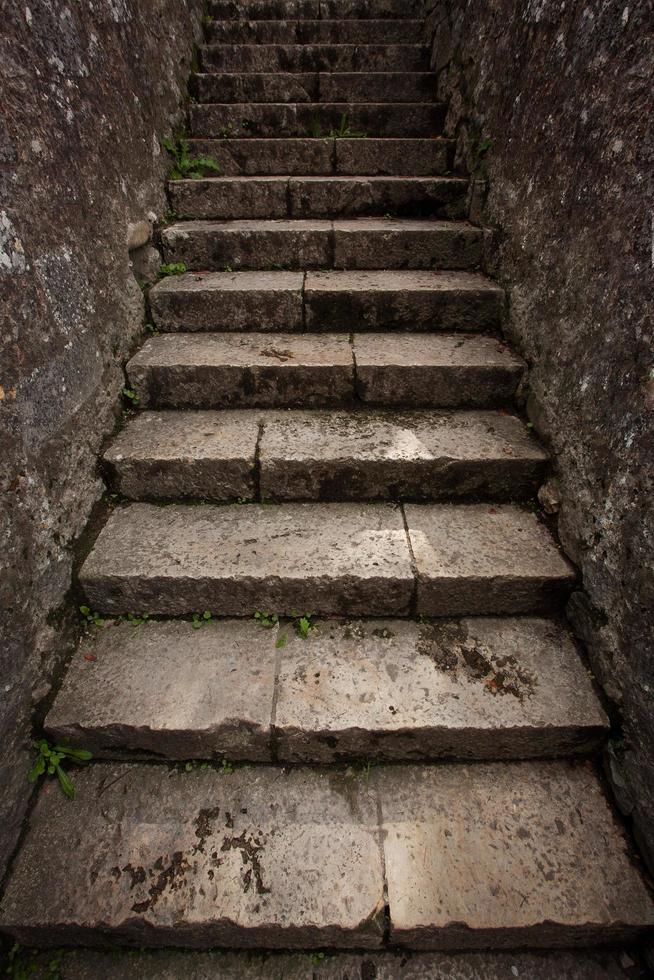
88,89
563,92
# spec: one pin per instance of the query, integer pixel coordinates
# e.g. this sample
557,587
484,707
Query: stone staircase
328,435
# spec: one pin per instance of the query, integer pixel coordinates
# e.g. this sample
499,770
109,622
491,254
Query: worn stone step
473,559
360,243
314,57
401,299
337,301
435,370
306,31
367,455
600,964
318,197
257,120
313,9
504,854
243,370
377,87
246,370
366,157
331,559
389,689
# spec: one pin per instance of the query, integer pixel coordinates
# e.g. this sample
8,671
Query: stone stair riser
314,9
305,31
376,87
314,58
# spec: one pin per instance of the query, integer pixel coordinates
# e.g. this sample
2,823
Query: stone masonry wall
88,90
551,103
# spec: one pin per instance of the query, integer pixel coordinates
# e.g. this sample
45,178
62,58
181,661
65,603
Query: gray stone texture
305,31
377,455
257,857
244,370
569,172
401,690
431,369
362,243
229,301
314,57
409,300
482,558
318,197
342,559
301,119
541,837
169,965
88,91
288,859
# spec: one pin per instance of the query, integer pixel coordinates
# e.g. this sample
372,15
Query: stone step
257,120
518,854
314,57
313,9
600,964
390,689
360,243
364,157
305,31
337,301
315,87
365,455
318,197
330,559
299,370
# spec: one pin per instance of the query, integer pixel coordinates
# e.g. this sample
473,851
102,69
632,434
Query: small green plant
317,958
267,619
91,617
131,397
48,763
281,641
187,167
191,766
199,619
343,132
207,20
303,624
135,620
151,329
171,269
315,126
226,767
33,964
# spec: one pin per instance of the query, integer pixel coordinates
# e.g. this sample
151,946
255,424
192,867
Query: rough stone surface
165,965
302,119
314,57
229,301
318,197
375,455
305,31
245,87
570,174
258,857
88,91
370,300
166,690
542,839
393,156
478,558
398,690
244,370
292,859
439,370
185,454
343,559
363,243
376,86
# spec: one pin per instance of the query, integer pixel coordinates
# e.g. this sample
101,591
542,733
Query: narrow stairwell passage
328,438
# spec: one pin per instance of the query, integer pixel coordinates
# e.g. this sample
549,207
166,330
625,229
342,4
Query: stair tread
302,455
343,559
386,689
345,9
299,858
313,86
306,30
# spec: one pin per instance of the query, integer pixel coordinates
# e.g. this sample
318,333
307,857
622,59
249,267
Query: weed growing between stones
171,269
268,620
187,167
199,619
90,617
344,132
131,397
49,763
33,964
